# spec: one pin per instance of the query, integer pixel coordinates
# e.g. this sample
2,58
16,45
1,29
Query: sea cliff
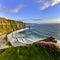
7,25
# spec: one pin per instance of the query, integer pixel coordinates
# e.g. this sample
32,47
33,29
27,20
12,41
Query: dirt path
3,42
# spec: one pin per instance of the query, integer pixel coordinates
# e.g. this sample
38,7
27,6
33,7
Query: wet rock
50,39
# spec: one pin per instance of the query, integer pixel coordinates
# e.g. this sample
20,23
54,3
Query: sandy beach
17,41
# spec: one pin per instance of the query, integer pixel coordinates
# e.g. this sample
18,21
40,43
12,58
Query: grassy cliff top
29,52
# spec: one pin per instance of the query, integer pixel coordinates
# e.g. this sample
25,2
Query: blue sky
36,11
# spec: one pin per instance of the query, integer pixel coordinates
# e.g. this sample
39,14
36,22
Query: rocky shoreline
49,43
8,26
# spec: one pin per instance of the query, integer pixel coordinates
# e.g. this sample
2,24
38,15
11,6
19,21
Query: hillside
29,52
7,25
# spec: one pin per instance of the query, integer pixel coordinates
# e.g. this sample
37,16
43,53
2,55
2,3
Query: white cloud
13,10
45,21
45,5
19,7
54,2
48,3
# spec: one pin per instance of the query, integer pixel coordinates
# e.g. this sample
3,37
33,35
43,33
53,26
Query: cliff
7,25
49,43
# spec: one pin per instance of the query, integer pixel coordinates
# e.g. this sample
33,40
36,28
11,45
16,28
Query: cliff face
7,25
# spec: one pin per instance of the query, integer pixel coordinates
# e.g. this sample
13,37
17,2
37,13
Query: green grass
29,52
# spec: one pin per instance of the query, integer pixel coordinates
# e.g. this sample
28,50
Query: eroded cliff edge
7,25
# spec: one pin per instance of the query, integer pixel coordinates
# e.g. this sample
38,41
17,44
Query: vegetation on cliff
7,25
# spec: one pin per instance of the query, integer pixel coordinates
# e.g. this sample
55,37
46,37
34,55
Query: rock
50,39
48,43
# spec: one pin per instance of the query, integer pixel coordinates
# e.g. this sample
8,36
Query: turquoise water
30,35
48,30
41,31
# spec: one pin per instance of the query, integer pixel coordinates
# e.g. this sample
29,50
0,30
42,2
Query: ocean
47,30
36,32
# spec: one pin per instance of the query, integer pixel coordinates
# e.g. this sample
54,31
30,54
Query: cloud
13,10
19,7
48,3
54,2
44,21
45,5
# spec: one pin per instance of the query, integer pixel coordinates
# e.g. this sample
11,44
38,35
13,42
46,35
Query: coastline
16,42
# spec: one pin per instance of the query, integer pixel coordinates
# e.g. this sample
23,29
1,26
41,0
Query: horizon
36,22
31,11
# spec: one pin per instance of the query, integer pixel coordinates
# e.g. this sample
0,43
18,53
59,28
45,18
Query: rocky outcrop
7,25
48,43
50,39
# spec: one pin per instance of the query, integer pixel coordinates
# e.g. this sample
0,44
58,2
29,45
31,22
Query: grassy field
29,52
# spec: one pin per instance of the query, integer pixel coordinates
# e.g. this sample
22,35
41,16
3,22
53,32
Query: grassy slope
29,52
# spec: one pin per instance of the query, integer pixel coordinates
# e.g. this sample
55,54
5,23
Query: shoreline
12,38
15,42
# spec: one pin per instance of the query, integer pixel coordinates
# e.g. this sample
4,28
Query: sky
31,11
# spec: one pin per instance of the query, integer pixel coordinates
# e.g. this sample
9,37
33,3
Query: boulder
50,39
48,43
